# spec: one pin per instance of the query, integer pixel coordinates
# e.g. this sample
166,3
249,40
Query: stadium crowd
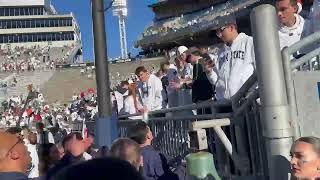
21,59
46,148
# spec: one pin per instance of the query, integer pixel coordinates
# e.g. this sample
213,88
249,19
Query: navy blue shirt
155,166
13,176
152,163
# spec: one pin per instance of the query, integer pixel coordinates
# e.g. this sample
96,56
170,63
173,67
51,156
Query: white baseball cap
181,49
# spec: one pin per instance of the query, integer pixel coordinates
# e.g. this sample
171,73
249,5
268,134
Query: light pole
105,124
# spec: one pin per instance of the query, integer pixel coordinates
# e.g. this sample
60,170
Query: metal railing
243,132
292,64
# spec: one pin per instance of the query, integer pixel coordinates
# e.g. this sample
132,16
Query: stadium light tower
121,11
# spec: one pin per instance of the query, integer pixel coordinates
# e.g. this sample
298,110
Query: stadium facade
29,23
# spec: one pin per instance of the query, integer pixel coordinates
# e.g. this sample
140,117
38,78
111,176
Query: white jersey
150,93
238,65
290,35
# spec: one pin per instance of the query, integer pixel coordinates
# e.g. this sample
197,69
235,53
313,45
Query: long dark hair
44,158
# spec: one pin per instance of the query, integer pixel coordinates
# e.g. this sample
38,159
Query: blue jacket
155,166
13,176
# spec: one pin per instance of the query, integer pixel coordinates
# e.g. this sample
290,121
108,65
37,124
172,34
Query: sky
139,17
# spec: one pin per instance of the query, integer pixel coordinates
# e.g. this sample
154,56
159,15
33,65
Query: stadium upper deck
191,22
36,22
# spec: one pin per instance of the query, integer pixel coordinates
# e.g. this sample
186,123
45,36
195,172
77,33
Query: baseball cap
226,21
181,49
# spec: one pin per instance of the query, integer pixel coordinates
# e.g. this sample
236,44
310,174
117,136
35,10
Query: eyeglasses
20,141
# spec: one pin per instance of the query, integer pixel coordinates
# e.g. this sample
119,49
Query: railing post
276,121
290,90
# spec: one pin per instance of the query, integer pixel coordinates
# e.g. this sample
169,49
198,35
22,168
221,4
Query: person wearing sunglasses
237,59
305,158
15,159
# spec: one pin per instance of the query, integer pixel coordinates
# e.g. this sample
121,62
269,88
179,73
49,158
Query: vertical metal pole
276,121
290,91
103,122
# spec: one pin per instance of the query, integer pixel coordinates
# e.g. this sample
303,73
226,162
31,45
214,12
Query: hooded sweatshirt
237,66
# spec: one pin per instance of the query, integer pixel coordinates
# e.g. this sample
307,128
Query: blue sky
139,16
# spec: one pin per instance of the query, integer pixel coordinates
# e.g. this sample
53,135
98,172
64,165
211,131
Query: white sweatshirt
150,93
238,65
290,35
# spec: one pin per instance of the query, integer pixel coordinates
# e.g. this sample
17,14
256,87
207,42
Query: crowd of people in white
21,59
83,107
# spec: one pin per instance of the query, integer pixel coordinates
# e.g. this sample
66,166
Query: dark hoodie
67,160
13,176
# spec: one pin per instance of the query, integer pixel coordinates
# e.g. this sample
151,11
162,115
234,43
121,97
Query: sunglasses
19,141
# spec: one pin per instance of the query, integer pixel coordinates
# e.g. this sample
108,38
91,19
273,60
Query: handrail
245,87
304,42
210,103
298,62
187,118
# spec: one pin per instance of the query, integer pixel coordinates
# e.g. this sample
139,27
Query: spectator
43,136
305,158
292,25
104,168
237,60
32,148
201,87
120,94
14,157
131,103
150,88
49,155
128,150
187,69
74,149
154,163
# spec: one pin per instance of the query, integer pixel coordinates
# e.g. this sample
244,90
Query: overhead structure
121,11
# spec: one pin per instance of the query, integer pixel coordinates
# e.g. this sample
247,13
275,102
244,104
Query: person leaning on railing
305,158
149,90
